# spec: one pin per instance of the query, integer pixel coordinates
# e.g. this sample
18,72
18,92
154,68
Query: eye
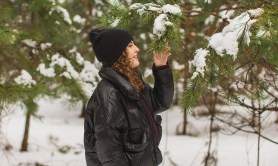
130,44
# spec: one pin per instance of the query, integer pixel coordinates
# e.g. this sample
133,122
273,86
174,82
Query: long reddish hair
123,66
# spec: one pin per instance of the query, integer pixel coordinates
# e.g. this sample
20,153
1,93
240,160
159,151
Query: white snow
30,42
221,43
148,72
79,19
161,21
70,72
60,126
177,66
209,20
97,2
62,11
44,46
57,59
143,36
145,46
262,32
173,9
240,25
227,40
47,72
136,6
256,12
25,79
61,1
199,62
140,8
226,14
89,73
66,74
115,23
35,51
153,6
208,1
87,88
195,11
237,85
73,73
160,24
78,57
53,2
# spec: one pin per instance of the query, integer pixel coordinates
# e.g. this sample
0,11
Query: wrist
163,66
160,64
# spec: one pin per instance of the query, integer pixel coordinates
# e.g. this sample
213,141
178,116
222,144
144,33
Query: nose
137,49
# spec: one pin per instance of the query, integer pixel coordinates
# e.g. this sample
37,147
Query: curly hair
123,66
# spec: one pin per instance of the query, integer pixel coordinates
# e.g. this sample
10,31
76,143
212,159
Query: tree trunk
259,138
24,144
176,97
276,121
184,126
83,110
210,140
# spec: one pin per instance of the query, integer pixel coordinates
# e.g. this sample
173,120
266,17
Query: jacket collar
119,81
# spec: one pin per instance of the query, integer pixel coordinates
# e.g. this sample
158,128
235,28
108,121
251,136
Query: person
121,125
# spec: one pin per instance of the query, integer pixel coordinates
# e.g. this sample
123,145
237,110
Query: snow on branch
162,21
25,79
63,12
165,18
160,25
47,72
199,62
227,41
83,72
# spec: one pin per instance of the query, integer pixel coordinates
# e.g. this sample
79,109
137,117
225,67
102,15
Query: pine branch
123,16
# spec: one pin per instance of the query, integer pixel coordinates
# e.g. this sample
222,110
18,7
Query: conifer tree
239,65
40,56
238,41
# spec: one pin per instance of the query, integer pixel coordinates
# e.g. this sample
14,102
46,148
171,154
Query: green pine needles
166,20
8,36
239,64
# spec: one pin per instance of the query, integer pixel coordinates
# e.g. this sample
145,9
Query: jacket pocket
134,144
135,136
135,140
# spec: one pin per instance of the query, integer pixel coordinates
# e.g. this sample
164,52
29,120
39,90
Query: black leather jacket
121,127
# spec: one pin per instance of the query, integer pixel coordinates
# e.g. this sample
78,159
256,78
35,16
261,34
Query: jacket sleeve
163,91
107,119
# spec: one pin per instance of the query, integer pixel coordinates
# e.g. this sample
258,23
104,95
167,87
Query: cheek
136,61
127,51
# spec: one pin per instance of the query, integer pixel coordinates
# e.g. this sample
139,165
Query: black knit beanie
108,44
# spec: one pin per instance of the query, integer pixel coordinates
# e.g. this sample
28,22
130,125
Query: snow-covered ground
61,130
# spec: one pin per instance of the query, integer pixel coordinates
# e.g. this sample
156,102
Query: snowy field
57,140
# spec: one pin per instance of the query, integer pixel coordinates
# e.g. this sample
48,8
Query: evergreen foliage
42,51
251,74
123,16
33,31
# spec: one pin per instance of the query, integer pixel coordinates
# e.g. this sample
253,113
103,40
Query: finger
167,46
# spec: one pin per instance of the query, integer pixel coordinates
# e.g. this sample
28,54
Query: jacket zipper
151,120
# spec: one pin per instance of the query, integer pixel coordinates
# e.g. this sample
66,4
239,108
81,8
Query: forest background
224,59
